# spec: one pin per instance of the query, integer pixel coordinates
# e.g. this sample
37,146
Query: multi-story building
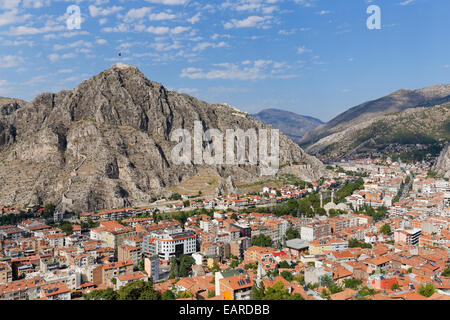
327,245
125,253
170,242
115,269
407,235
5,273
244,229
55,291
112,233
151,265
26,289
315,231
233,284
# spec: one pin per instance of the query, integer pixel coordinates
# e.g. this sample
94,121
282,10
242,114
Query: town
378,230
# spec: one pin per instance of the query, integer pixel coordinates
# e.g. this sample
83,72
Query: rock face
293,125
395,102
442,165
106,144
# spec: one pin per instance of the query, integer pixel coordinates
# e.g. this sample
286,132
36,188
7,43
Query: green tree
138,290
250,266
427,290
284,264
352,283
287,275
168,295
257,293
173,268
108,294
292,233
215,268
366,291
234,263
395,286
186,263
66,227
327,281
261,240
175,196
385,229
184,295
446,272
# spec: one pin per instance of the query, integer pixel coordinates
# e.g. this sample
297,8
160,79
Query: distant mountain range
293,125
403,117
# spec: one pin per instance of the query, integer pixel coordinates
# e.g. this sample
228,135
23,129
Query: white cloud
161,16
10,61
246,70
323,12
302,50
140,13
97,11
179,29
169,2
195,18
203,45
252,21
55,57
12,17
158,30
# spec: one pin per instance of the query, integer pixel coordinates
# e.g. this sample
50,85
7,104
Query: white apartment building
170,242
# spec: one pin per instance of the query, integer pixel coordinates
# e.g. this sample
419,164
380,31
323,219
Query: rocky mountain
427,127
293,125
106,144
395,102
442,165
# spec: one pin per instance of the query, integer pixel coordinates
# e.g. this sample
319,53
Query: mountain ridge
294,125
106,144
394,102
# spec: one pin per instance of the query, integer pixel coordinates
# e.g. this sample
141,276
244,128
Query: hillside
428,127
293,125
106,144
395,102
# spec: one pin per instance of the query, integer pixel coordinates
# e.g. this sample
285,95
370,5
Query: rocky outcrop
106,144
442,165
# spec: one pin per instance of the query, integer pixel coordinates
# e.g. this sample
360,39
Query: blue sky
313,57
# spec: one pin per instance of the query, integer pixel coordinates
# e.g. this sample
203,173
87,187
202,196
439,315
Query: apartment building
315,231
407,235
170,242
114,270
112,233
5,273
233,284
125,253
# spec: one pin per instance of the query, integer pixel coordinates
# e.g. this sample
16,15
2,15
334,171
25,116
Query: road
406,188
